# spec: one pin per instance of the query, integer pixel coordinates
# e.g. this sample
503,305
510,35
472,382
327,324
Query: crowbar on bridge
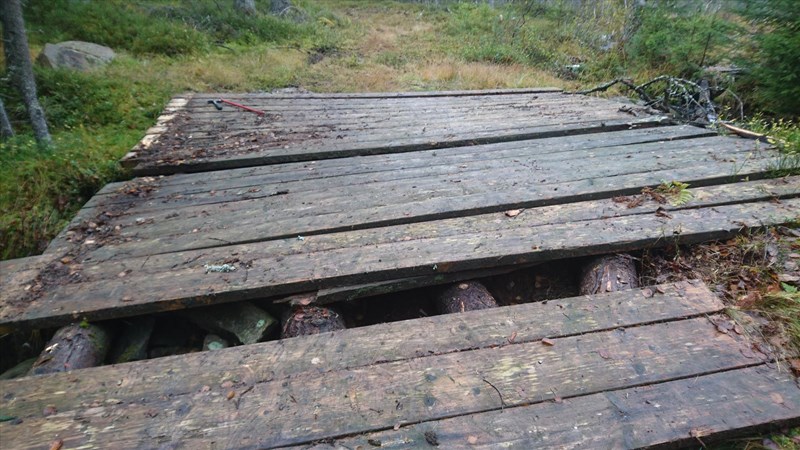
218,104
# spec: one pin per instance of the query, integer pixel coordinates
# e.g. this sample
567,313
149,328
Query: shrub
673,40
773,69
114,23
41,191
73,99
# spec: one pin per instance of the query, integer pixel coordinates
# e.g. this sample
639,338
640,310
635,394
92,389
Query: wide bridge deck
341,196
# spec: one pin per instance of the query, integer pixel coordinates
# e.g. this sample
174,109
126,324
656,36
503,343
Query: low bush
773,76
676,40
114,23
41,191
72,99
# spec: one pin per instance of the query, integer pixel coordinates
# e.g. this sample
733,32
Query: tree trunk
5,125
609,273
18,61
247,7
73,347
308,320
465,296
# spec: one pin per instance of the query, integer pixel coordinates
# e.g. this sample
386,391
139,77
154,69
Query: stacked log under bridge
397,271
82,345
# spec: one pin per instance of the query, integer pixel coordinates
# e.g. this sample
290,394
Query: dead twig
686,100
743,133
502,402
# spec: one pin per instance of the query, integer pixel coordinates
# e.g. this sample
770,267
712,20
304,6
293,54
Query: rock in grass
609,273
465,296
132,342
73,347
243,320
308,320
75,55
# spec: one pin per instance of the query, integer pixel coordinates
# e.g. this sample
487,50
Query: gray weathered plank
469,187
215,225
488,224
358,347
168,187
281,267
682,413
378,95
315,149
309,406
434,116
167,191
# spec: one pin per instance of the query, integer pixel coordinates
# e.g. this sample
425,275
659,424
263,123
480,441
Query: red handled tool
218,104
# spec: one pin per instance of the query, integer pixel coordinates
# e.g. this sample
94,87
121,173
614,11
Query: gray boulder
76,55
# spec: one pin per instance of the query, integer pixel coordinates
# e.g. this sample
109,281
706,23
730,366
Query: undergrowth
41,191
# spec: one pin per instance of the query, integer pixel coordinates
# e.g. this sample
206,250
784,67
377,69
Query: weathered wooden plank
690,412
18,274
316,149
224,136
200,227
309,406
456,158
173,108
432,116
358,347
380,95
283,267
714,195
397,166
497,223
472,176
330,107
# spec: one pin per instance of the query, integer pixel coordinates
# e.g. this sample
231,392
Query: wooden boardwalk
341,196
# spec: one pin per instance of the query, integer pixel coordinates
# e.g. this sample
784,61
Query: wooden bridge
333,197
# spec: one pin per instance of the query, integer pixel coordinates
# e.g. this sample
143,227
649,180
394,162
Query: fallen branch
743,133
686,100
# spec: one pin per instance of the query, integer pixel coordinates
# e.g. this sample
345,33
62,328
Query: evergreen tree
775,69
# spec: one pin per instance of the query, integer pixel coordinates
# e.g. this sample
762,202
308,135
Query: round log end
465,296
308,320
609,273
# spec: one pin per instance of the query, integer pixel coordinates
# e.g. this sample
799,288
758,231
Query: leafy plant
676,192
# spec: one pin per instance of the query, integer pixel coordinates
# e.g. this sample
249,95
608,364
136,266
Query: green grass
165,47
41,191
